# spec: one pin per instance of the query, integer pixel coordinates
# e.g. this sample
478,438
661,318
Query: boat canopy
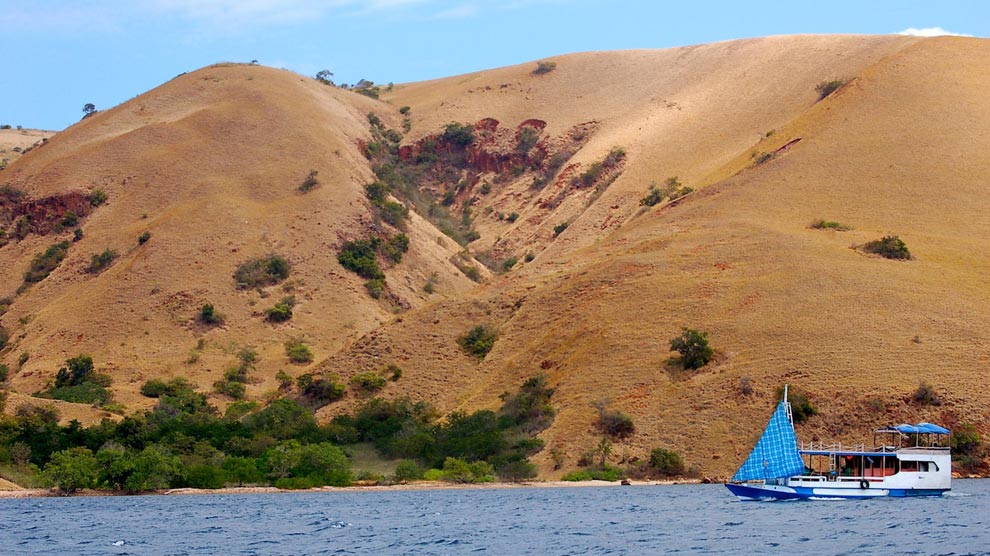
776,454
920,428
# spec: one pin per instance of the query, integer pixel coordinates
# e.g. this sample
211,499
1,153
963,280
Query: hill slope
214,160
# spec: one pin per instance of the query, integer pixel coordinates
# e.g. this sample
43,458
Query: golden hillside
210,165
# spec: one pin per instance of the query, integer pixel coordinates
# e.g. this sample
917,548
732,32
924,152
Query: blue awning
931,428
906,429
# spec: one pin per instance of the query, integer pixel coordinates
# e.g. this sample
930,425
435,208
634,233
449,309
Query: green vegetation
72,469
666,463
102,261
458,134
478,341
310,182
234,378
45,263
97,197
672,190
263,271
544,67
78,382
613,424
282,311
968,450
4,337
4,373
368,381
528,137
889,247
606,474
693,347
801,407
821,224
826,88
926,395
323,76
359,256
559,228
144,237
209,315
298,352
317,392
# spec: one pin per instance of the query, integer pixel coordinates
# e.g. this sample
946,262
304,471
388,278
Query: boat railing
833,447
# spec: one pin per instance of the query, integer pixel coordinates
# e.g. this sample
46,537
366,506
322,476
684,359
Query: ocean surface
688,519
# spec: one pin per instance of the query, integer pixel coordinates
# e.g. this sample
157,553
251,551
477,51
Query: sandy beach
414,486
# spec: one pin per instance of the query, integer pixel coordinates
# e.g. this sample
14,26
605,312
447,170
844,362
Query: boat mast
787,406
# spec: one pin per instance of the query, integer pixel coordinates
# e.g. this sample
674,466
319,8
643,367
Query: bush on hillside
826,88
888,247
310,182
209,315
45,263
263,271
298,351
102,261
801,407
282,311
693,347
478,341
666,463
358,256
368,381
925,395
544,67
822,224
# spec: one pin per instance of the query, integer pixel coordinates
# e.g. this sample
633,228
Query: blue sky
58,55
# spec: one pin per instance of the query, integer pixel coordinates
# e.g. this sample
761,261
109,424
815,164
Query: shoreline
408,487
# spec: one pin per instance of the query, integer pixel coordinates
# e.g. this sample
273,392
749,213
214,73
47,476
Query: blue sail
776,455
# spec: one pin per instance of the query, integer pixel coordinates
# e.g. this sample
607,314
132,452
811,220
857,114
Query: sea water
553,521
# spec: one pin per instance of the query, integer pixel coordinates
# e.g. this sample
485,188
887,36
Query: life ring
864,484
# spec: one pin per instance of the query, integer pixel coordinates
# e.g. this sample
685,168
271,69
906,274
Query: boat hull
757,491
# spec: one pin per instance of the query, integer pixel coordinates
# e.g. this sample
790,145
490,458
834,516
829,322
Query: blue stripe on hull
749,492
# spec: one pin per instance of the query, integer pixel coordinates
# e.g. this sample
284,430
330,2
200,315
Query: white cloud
458,12
930,32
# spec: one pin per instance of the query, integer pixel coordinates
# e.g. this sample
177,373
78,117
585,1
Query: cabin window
915,466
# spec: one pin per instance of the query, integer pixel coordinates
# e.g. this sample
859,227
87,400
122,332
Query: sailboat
910,460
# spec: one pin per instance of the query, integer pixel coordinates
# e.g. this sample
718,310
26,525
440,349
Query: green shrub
263,271
375,287
376,192
310,182
507,264
407,470
72,469
965,440
889,247
45,263
559,228
395,247
529,410
404,110
209,315
298,351
512,217
528,137
4,337
611,474
459,471
368,381
667,463
826,88
394,213
693,347
85,392
233,389
359,257
69,220
821,224
97,197
801,407
589,176
516,471
544,67
925,395
616,424
144,237
282,311
458,135
478,341
77,234
653,198
319,391
100,262
4,372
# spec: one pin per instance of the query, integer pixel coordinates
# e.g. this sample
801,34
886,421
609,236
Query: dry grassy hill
210,164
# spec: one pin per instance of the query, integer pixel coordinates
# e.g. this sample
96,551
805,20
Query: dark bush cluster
693,347
478,341
310,182
281,311
101,261
544,67
926,395
78,382
826,88
263,271
801,407
888,247
822,224
672,189
45,263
